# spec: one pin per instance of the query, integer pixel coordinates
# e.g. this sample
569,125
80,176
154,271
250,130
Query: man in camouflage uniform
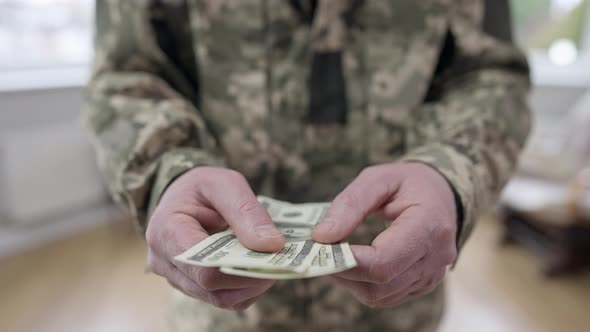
425,97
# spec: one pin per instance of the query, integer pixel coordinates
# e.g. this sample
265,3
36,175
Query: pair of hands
408,259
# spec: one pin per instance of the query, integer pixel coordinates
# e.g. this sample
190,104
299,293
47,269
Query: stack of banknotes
301,257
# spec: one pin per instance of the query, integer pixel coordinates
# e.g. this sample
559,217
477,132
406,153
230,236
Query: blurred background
71,261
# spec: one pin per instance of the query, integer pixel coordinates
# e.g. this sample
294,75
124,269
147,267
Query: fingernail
267,231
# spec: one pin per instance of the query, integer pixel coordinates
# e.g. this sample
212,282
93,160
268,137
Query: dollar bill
308,214
301,257
330,259
224,249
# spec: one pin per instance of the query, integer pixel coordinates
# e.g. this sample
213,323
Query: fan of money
301,257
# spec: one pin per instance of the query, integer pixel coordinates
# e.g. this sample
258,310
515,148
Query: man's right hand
198,203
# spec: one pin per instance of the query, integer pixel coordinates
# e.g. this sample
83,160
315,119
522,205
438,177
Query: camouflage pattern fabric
180,84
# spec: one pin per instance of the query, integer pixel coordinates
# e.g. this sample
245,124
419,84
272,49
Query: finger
212,279
237,299
376,292
367,193
429,284
401,246
363,291
223,298
396,207
183,236
177,225
391,254
231,196
373,295
364,256
180,289
208,218
209,278
187,202
228,299
175,277
390,301
245,305
417,290
179,233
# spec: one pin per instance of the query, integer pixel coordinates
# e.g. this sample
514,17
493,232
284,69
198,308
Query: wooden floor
95,282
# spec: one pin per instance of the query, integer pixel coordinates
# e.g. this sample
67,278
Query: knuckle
446,233
223,301
378,276
214,300
348,199
243,305
371,294
375,170
379,272
193,292
417,276
158,234
449,256
370,170
215,177
206,279
234,176
367,171
152,238
247,206
444,238
152,264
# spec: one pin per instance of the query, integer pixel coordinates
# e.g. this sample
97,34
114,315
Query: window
55,37
558,28
45,33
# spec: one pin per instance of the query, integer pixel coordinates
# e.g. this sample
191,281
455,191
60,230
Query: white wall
49,184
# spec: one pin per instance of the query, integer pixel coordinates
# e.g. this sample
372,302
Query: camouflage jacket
179,84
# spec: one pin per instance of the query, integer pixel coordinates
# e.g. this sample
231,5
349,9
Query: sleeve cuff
459,171
173,164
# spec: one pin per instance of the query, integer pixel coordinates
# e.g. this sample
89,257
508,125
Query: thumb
233,199
360,198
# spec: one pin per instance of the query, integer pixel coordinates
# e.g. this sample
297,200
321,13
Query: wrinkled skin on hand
410,257
200,202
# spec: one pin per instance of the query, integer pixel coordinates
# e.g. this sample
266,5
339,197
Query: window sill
43,78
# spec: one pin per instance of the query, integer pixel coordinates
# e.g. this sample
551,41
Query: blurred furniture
558,232
547,207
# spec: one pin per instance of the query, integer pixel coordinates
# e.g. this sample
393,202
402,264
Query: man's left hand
410,257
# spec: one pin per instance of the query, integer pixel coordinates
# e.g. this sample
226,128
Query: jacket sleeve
143,124
476,119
